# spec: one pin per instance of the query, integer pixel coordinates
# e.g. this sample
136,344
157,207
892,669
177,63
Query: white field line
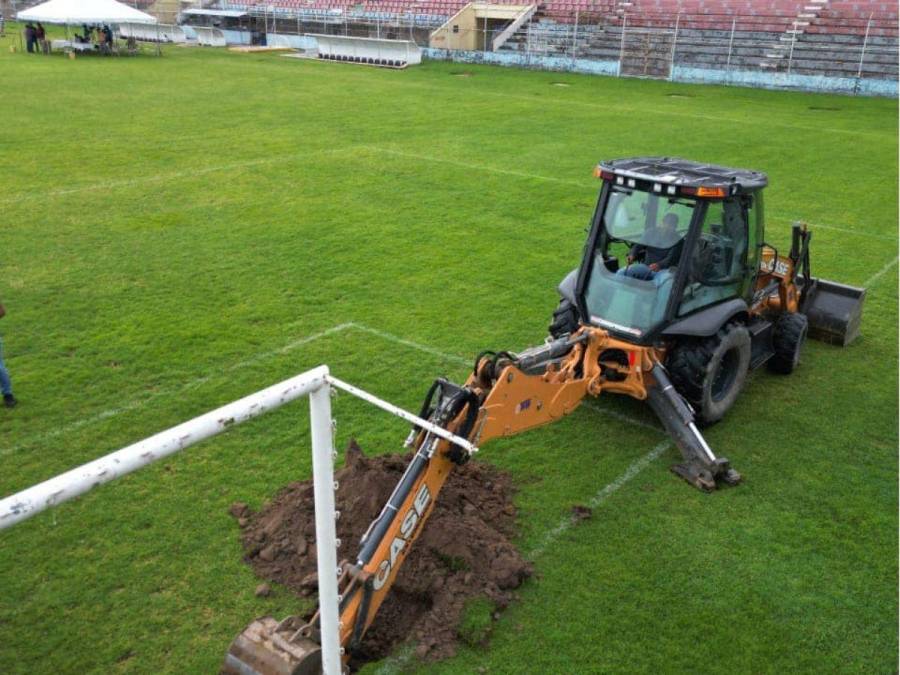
414,345
880,273
133,405
396,664
158,178
845,230
474,167
591,405
164,177
106,414
581,184
602,495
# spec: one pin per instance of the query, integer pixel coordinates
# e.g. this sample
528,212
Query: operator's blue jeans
644,273
5,383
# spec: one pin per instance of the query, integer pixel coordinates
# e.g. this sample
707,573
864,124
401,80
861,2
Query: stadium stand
648,38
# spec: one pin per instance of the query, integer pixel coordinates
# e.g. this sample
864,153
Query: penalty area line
398,663
389,337
106,414
601,496
880,273
474,167
413,345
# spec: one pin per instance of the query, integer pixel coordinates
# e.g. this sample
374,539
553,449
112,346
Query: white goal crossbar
318,385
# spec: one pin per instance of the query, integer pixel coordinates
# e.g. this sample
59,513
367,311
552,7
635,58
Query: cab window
719,257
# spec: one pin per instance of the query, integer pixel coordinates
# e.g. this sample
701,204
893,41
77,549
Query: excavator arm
505,395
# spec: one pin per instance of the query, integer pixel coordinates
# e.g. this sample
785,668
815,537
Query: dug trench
463,554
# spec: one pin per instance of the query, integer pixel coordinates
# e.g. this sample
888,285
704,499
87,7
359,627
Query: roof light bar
711,192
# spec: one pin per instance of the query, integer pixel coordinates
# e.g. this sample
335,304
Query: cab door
717,262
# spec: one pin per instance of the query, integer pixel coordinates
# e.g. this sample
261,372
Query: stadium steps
779,55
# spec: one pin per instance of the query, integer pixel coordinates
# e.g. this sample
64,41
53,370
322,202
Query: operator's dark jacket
664,257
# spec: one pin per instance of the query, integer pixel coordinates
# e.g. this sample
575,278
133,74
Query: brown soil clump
581,512
463,550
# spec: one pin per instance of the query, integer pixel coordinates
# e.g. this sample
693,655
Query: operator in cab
661,250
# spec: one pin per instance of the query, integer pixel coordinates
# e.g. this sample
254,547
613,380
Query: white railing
318,384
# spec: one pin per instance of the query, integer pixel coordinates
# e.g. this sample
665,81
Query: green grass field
182,231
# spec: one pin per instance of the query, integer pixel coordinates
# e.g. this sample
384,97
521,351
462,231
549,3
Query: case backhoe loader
677,297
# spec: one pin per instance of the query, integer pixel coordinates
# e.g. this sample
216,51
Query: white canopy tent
90,12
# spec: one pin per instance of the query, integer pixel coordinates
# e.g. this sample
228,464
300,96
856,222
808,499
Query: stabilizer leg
701,468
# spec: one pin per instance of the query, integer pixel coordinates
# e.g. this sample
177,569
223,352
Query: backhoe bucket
262,649
834,311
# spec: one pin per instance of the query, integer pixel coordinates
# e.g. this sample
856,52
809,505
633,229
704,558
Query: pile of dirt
463,551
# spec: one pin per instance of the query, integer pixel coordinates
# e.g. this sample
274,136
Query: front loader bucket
263,649
834,311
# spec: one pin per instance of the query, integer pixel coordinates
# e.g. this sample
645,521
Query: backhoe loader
677,297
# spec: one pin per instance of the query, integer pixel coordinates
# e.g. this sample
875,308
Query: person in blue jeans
5,384
646,262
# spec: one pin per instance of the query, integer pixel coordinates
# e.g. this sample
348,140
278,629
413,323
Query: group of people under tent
100,35
36,38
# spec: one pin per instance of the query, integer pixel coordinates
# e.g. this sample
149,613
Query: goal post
318,384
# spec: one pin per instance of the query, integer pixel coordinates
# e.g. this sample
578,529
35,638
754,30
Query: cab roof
685,173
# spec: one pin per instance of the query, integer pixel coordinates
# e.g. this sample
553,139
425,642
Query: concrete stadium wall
787,81
687,74
524,60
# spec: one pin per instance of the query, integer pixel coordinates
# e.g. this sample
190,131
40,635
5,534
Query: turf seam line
880,273
602,495
106,414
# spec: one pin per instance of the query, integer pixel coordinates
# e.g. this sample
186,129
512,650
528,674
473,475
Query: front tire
710,372
788,337
565,319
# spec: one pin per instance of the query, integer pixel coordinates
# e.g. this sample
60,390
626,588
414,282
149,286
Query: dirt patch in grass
463,552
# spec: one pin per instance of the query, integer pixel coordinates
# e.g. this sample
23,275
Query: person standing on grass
5,384
41,35
29,37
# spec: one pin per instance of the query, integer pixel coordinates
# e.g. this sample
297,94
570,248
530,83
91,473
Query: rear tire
710,372
565,319
787,341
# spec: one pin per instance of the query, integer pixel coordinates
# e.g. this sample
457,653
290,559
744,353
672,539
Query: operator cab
669,238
